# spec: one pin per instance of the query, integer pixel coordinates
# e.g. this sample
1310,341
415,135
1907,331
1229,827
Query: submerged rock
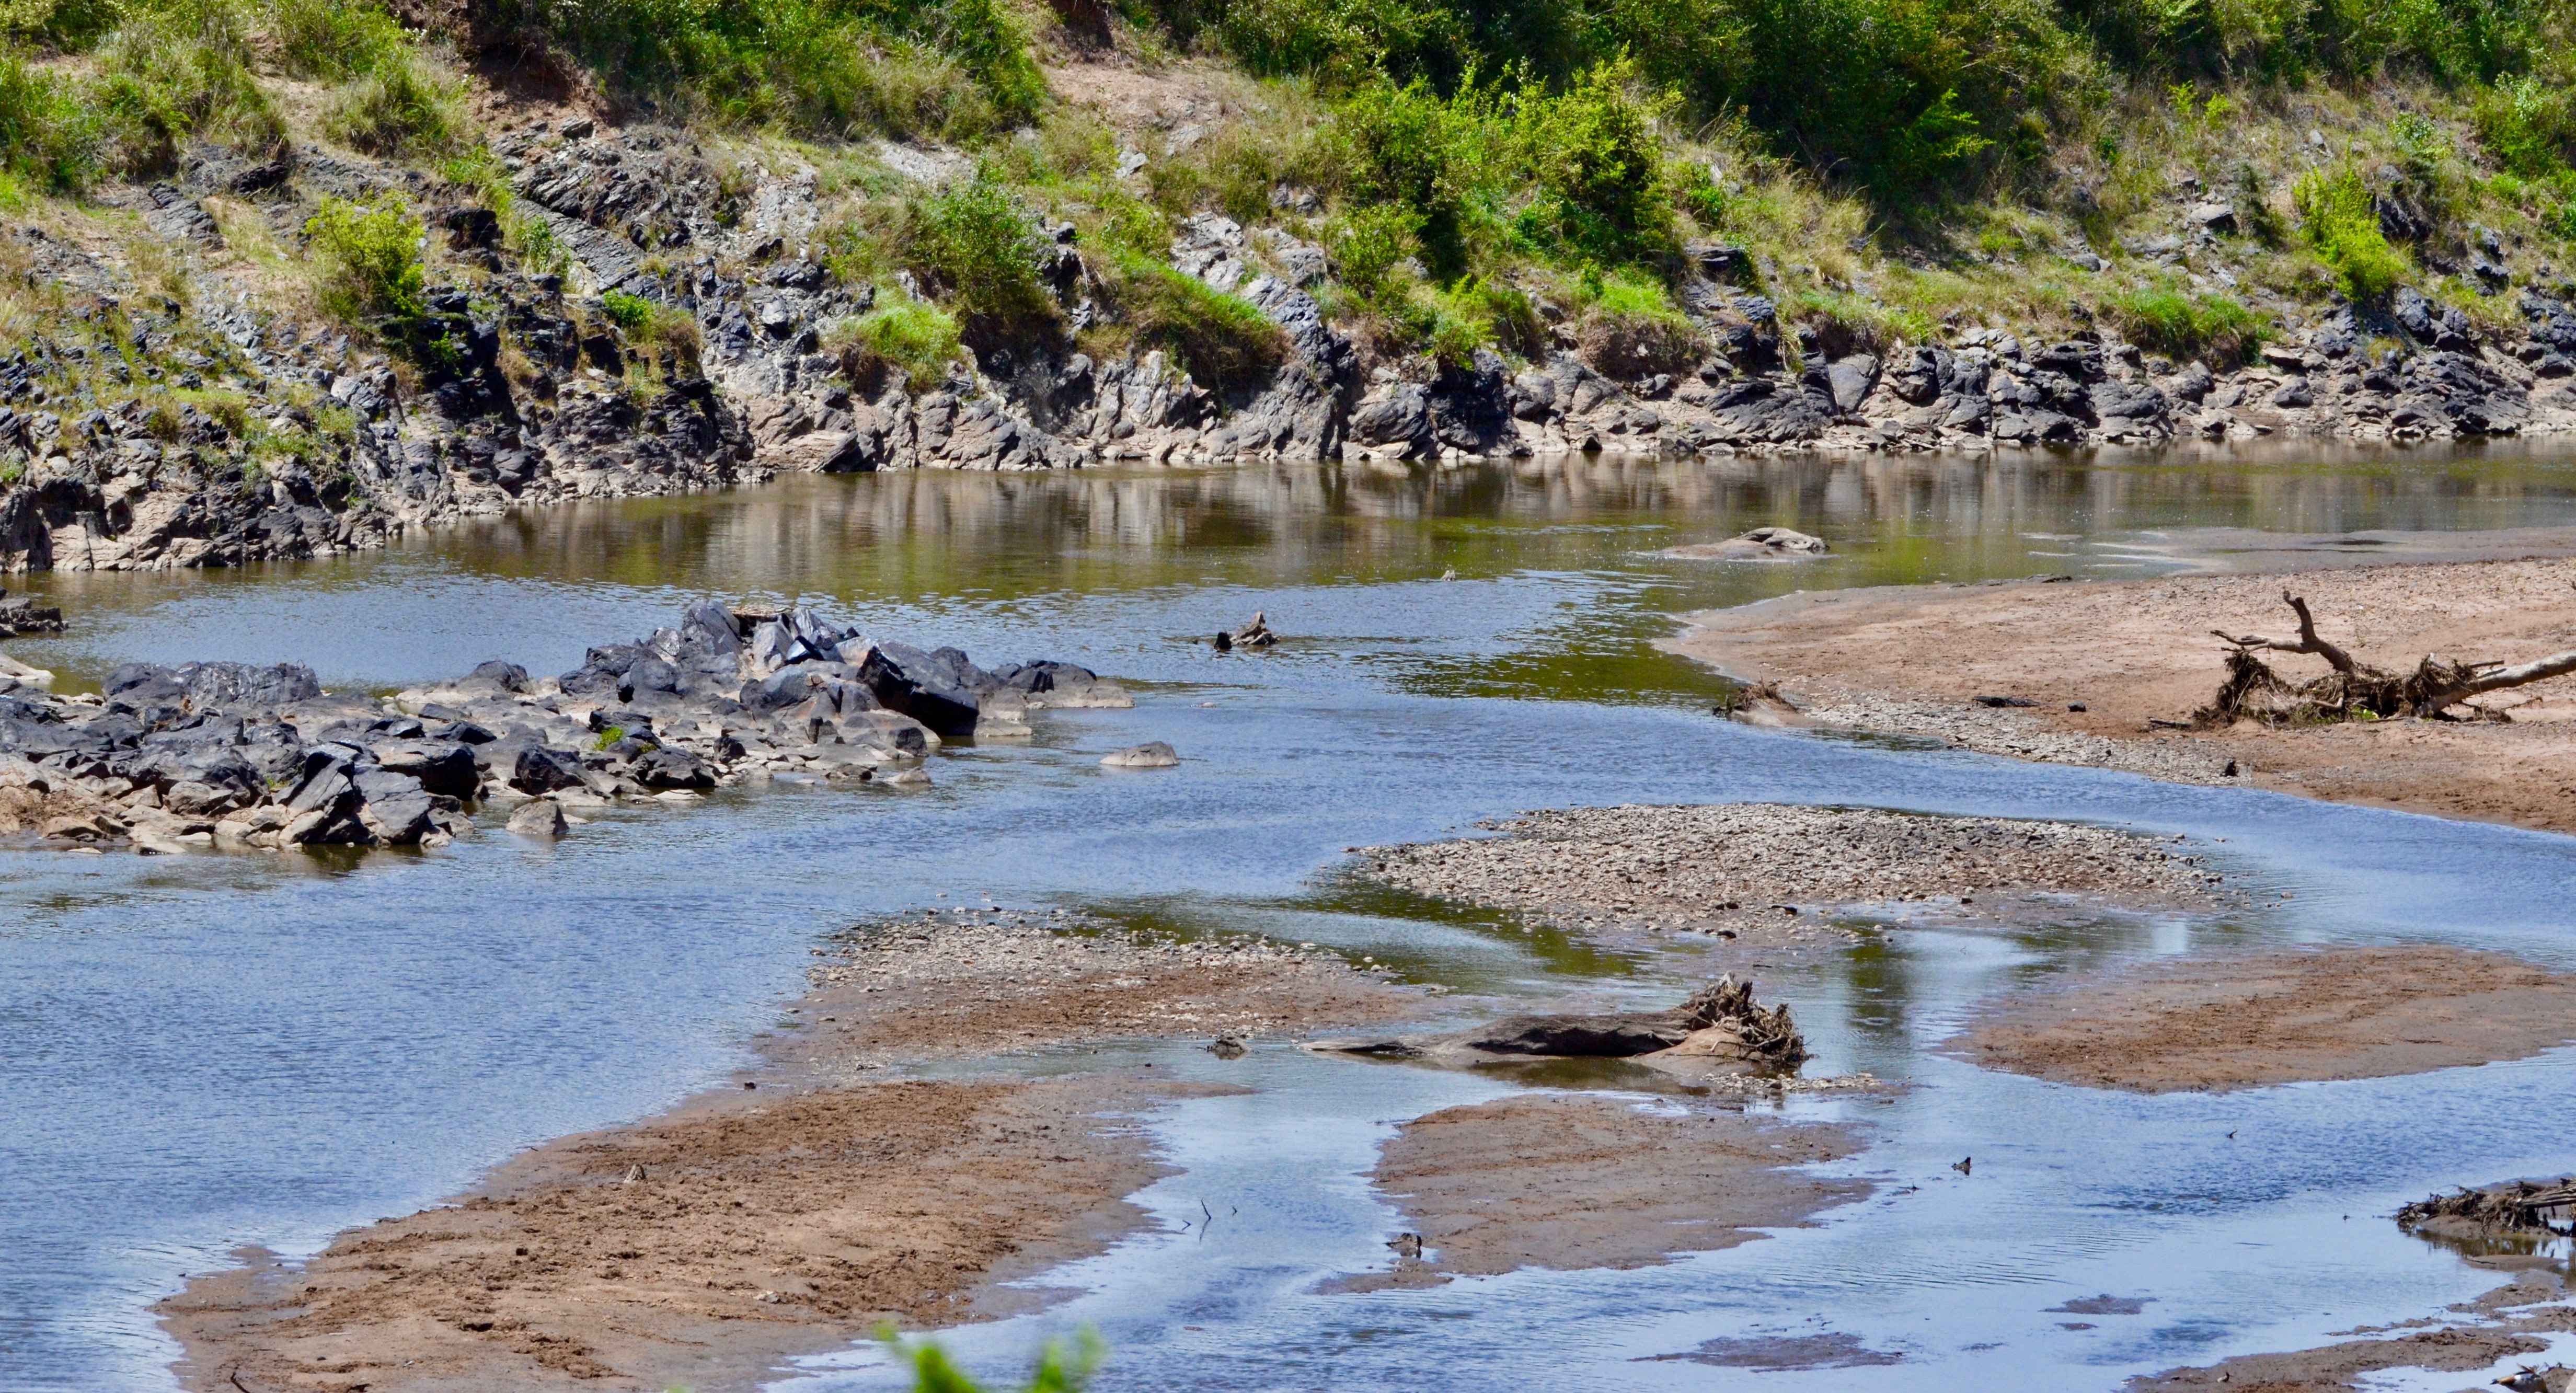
1152,755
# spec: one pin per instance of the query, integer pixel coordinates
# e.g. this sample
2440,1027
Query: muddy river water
202,1053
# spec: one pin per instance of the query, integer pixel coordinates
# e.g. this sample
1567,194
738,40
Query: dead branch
2308,640
2354,690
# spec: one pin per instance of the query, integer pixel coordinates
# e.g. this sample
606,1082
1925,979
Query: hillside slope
283,278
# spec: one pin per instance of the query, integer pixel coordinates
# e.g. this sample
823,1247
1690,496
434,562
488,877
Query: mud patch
1782,1353
2247,1021
2103,1305
1570,1181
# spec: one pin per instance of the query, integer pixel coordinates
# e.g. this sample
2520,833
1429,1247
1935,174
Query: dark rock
921,686
445,767
541,770
668,768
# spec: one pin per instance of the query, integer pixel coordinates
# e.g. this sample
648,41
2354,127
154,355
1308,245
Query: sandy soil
1914,661
1763,872
946,984
752,1224
1569,1181
2224,1022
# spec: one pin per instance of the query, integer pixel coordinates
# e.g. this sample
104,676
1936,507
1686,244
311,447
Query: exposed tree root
2354,690
2520,1204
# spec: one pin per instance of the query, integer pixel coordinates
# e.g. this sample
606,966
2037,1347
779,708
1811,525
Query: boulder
1151,755
440,766
540,817
668,768
923,686
541,770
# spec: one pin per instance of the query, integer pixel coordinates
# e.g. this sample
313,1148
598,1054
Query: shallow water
207,1052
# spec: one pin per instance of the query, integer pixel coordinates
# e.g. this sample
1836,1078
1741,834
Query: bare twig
2308,641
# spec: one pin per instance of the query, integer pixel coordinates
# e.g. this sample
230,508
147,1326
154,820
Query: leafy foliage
2336,213
1059,1370
370,256
974,242
1223,341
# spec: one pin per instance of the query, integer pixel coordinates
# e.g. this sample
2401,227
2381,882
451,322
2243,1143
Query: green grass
913,337
1221,340
2164,319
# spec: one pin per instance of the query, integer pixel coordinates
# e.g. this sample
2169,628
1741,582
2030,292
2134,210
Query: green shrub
834,68
2180,325
402,106
1408,149
1368,244
628,312
1629,328
2341,225
913,337
369,254
1223,341
2531,126
178,71
974,242
334,40
48,135
1597,154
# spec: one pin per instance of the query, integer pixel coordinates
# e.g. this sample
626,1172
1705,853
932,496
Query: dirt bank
1570,1181
1915,660
750,1225
1762,872
2244,1021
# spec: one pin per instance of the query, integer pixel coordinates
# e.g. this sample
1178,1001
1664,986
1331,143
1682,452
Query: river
207,1052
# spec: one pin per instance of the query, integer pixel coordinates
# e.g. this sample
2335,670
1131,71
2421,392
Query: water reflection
211,1050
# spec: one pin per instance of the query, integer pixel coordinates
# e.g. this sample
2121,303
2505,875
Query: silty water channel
210,1051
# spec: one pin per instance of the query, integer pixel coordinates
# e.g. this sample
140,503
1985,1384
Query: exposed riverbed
211,1052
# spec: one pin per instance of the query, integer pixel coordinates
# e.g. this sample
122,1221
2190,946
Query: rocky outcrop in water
206,755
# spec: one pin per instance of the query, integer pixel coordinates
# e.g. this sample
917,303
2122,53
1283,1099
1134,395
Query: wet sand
749,1225
2246,1021
1766,873
1569,1181
1914,660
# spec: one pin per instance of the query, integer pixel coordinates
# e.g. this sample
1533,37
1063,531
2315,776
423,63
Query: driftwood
2519,1205
1256,634
2354,690
1720,1021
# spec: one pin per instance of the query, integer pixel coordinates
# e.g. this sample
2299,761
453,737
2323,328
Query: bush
181,71
835,68
1597,154
403,106
973,242
1223,341
48,135
2336,213
913,337
334,40
1368,244
2530,126
2179,325
1059,1370
370,258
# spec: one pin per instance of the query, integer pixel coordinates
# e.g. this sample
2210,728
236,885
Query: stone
2219,219
922,686
444,767
541,770
1151,755
540,817
673,769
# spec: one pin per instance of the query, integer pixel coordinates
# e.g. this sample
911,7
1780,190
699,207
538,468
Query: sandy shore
2504,1325
1582,1180
2245,1021
750,1225
1915,660
1767,873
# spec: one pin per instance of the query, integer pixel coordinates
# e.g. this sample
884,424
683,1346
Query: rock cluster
1719,1024
232,755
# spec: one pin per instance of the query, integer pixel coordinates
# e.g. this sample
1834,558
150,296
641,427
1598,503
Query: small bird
635,1174
1961,1165
2526,1380
1450,574
1406,1245
2231,1136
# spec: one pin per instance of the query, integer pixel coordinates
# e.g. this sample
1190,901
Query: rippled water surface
206,1052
